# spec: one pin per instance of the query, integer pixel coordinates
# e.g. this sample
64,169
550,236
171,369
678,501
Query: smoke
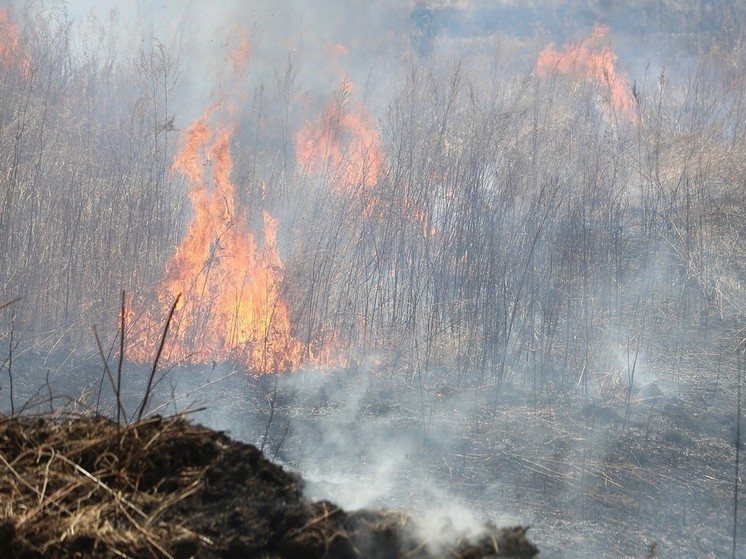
359,439
369,36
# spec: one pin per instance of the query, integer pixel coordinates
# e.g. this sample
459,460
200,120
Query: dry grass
80,483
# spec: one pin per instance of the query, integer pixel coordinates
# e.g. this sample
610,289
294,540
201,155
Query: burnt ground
89,487
606,473
591,478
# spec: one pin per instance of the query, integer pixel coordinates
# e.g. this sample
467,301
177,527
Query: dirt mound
86,487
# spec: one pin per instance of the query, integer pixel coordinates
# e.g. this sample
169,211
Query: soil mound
163,487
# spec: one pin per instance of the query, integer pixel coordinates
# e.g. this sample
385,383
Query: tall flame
231,305
342,141
229,287
590,58
11,53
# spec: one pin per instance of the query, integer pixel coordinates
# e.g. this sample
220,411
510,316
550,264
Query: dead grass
162,487
81,484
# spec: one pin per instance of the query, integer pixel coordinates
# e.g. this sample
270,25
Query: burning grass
593,60
163,487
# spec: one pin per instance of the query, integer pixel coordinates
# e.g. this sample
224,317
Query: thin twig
118,388
107,371
9,361
167,503
736,483
117,496
146,396
272,399
11,302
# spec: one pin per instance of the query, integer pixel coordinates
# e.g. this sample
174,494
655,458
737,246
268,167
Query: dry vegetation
514,217
87,487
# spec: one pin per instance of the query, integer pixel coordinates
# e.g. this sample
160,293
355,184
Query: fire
334,50
343,141
241,53
227,282
590,58
11,55
231,305
424,221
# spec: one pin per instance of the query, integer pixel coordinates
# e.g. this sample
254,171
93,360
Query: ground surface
87,487
592,476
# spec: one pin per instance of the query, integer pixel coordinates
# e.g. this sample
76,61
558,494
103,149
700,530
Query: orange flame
335,50
10,46
342,141
589,58
241,53
231,306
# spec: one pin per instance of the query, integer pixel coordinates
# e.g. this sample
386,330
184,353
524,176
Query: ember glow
11,53
342,143
591,59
